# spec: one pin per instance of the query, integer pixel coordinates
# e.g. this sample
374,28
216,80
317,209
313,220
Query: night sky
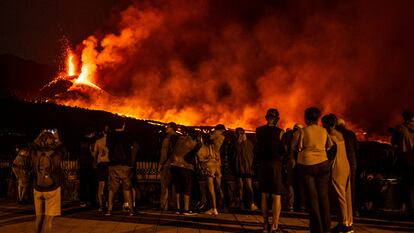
33,29
354,58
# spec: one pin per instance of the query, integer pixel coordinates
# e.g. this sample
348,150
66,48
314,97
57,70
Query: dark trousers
316,181
353,187
88,184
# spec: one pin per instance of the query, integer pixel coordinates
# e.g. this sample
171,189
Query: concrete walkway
20,219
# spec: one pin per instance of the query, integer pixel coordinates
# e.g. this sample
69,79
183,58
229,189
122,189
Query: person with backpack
167,148
21,169
268,152
122,154
46,155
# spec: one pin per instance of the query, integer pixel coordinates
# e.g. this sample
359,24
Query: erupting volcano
208,62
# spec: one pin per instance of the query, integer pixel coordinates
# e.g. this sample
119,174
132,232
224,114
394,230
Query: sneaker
340,228
82,204
131,213
211,212
253,207
108,213
349,229
189,213
290,209
100,209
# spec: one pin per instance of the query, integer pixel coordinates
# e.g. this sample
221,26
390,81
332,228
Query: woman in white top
312,143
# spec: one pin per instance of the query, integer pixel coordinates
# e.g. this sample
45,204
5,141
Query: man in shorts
269,151
122,153
46,155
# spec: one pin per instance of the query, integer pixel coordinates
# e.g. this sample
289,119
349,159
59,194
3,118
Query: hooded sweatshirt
406,143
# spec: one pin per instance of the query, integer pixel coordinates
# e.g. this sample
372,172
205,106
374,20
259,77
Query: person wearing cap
167,148
406,148
351,145
269,152
312,144
210,162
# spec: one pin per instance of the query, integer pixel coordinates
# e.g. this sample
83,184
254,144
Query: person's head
297,126
240,133
329,121
220,127
106,130
272,116
407,115
171,128
312,115
341,122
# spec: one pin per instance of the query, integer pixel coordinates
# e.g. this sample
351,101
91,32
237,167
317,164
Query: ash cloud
207,62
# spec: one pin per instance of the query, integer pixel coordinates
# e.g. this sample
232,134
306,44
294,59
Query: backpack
44,169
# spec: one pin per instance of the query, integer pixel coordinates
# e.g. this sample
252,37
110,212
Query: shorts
211,169
102,172
270,177
120,175
181,179
47,203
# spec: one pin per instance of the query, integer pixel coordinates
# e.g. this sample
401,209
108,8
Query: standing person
21,169
101,155
167,148
87,169
406,148
269,153
182,171
210,161
312,143
243,161
46,155
292,181
341,179
351,145
122,151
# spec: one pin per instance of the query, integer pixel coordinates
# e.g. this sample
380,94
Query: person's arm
134,153
330,148
164,152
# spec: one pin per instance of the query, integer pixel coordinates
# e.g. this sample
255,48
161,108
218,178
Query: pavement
20,219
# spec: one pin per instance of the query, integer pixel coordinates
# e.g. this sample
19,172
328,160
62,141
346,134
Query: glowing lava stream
85,73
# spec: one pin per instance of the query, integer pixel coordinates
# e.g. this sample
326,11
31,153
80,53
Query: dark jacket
406,142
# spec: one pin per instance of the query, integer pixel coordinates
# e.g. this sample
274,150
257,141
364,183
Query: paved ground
15,218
